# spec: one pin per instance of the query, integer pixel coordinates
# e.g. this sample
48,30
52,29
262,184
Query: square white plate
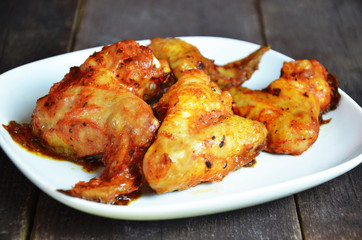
337,150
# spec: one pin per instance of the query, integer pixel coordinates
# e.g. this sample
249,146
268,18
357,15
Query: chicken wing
200,139
290,107
98,109
183,56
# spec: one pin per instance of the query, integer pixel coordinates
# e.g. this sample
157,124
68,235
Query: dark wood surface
329,31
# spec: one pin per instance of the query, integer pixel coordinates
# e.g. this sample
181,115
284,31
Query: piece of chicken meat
291,106
183,56
200,139
98,109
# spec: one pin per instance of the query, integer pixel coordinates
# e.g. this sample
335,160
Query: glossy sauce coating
98,109
291,107
200,139
183,56
22,134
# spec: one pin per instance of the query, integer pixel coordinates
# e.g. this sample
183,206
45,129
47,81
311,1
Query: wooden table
329,31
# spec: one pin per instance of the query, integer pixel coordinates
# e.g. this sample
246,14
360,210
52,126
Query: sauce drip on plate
22,134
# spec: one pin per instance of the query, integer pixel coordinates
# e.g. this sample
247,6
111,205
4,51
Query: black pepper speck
208,164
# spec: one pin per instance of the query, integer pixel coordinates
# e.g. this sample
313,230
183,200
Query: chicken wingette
200,139
183,56
291,106
98,109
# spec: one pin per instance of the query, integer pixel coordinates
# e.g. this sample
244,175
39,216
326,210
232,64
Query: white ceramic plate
337,150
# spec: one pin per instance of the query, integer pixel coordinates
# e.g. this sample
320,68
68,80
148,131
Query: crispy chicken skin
98,109
183,56
122,65
200,139
291,106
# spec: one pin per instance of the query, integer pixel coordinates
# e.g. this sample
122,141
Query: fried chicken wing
200,139
98,109
291,106
183,56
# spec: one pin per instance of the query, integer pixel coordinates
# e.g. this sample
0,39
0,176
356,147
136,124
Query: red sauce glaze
120,200
22,134
250,164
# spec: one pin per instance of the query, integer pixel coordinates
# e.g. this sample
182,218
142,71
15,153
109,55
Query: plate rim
111,211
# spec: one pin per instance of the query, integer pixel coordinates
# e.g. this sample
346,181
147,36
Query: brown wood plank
33,30
57,221
270,220
273,220
17,201
333,210
29,30
331,33
109,21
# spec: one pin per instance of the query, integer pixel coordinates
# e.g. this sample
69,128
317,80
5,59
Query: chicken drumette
183,56
290,107
98,109
200,139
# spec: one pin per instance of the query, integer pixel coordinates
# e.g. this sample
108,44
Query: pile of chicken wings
165,115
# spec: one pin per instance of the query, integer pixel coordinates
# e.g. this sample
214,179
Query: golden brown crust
200,139
290,106
98,109
183,56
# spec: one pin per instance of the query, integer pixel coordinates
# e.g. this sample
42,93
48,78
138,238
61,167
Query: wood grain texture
110,21
329,31
29,30
332,34
274,220
105,22
327,212
17,201
326,30
33,30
